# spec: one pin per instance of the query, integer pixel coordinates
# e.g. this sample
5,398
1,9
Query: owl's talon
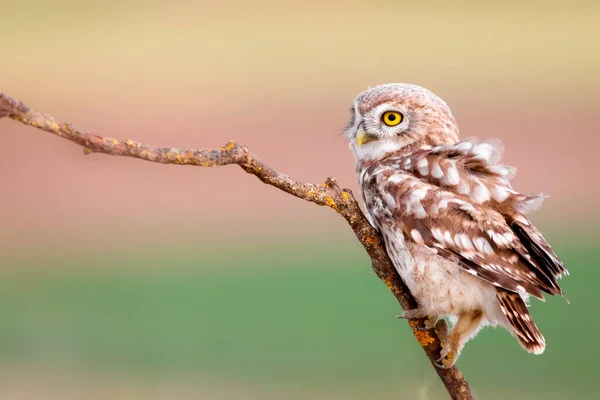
447,356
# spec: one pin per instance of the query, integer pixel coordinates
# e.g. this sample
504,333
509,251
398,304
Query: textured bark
326,194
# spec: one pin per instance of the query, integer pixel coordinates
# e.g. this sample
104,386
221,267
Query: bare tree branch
327,194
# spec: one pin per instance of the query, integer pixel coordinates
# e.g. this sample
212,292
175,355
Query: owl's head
398,117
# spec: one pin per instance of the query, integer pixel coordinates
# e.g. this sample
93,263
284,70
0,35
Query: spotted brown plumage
455,229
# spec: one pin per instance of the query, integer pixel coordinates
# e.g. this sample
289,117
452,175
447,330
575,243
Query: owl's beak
362,137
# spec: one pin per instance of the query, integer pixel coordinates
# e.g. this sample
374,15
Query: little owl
454,228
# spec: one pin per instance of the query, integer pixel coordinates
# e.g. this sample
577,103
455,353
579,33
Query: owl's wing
493,243
472,170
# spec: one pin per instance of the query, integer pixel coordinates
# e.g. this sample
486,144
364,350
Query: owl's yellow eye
391,118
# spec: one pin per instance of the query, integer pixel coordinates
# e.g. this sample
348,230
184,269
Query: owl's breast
440,286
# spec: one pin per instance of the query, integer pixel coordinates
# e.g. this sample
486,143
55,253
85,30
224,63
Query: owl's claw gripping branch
327,194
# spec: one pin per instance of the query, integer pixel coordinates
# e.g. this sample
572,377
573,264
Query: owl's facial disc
380,123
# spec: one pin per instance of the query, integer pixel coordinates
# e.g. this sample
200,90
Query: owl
455,229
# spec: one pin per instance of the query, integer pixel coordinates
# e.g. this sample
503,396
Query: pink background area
280,80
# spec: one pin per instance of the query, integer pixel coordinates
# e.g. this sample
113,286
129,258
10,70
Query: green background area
304,315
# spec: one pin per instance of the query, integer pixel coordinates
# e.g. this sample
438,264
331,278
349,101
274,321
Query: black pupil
392,117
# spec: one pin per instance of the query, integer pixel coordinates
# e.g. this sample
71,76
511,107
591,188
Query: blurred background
128,280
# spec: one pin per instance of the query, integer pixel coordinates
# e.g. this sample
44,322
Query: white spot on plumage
499,193
419,193
487,248
448,238
437,234
436,170
498,169
397,178
464,146
418,211
482,245
422,165
481,194
465,242
417,237
509,236
501,239
452,176
464,186
482,151
457,240
462,204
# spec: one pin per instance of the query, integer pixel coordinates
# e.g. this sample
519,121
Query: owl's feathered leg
467,325
416,313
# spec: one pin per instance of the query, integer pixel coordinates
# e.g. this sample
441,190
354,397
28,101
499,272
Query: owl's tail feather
515,310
